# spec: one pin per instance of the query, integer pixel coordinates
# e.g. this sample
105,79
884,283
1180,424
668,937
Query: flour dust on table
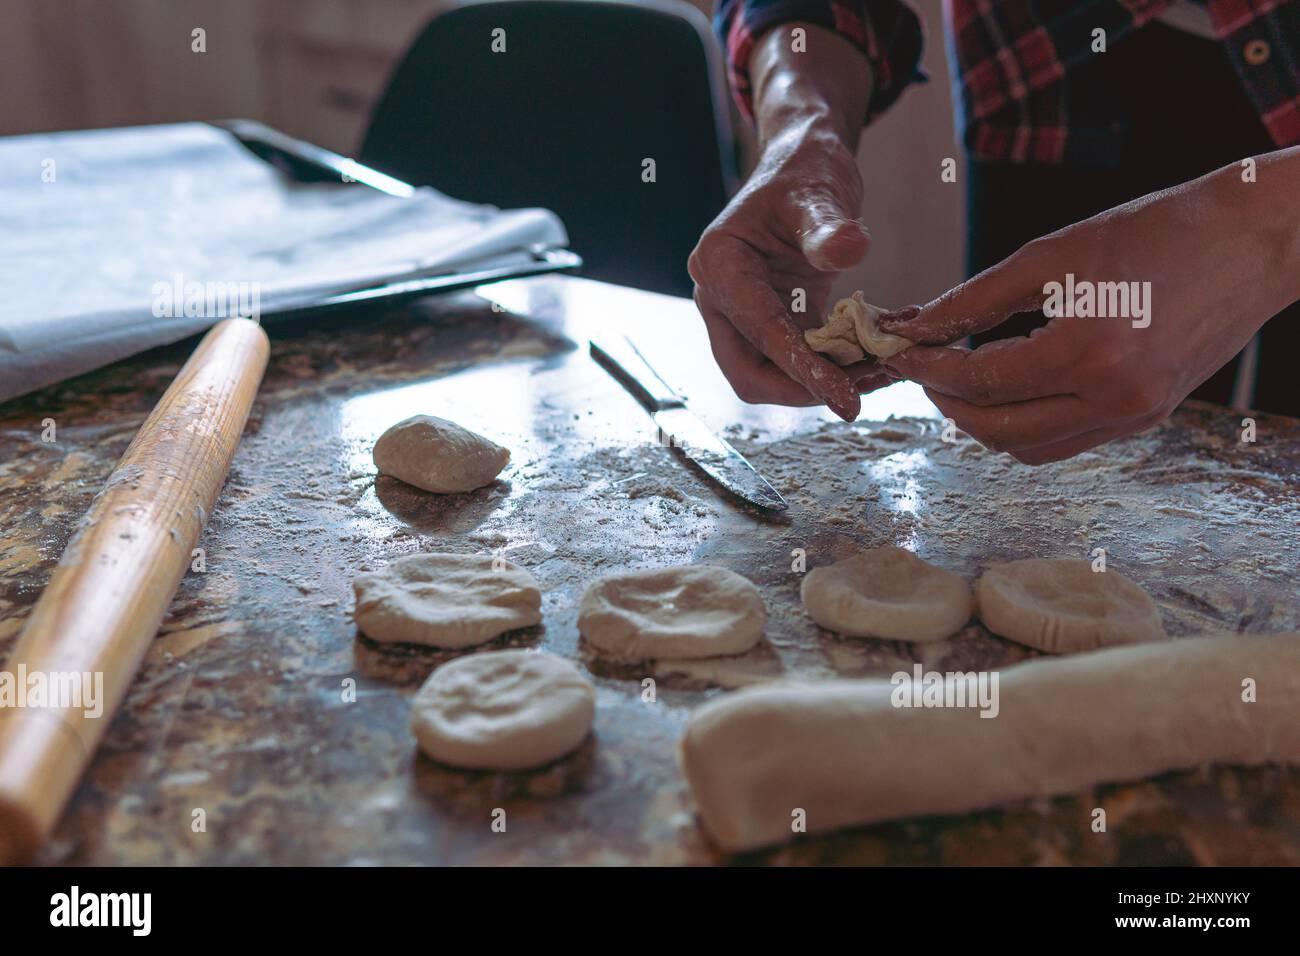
436,455
503,710
1063,606
679,612
890,593
446,600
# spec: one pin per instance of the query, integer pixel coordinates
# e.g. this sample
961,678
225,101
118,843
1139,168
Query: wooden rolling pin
112,586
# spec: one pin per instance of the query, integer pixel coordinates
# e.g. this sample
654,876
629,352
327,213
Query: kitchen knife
680,428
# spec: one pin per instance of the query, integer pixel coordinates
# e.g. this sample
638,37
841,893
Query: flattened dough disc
503,710
887,592
445,600
681,612
1061,605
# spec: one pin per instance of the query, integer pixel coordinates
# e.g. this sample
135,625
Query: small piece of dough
1062,606
837,339
683,612
844,754
503,710
852,330
445,600
887,592
437,455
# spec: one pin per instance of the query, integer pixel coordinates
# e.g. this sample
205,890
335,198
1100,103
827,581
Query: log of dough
434,454
852,331
1062,606
503,710
691,611
445,600
887,592
844,754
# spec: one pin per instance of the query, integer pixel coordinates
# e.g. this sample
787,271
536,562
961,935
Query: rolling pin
110,590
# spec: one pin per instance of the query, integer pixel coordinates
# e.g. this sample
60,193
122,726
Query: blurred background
316,68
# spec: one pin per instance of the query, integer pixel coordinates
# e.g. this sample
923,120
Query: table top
240,709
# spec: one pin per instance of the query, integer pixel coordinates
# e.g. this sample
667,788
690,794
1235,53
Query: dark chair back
584,92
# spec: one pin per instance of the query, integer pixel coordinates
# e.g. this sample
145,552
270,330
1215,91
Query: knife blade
679,427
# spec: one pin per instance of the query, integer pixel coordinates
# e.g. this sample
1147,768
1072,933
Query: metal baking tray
305,162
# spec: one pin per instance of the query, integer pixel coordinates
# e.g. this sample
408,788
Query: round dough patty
1061,605
434,454
445,600
503,710
691,611
887,592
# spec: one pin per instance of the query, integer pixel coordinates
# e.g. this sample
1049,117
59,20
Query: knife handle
622,360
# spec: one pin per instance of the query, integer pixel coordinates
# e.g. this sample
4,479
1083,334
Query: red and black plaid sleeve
1012,61
1262,38
1014,57
888,33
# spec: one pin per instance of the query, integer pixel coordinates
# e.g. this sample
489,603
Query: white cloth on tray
98,228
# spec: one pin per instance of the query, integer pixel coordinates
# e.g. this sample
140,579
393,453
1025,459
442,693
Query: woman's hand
1202,266
792,227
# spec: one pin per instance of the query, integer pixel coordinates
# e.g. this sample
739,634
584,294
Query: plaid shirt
1012,58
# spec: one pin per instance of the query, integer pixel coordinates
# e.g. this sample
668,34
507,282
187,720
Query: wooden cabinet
321,92
325,62
310,67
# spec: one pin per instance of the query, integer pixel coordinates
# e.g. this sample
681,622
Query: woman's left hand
1194,271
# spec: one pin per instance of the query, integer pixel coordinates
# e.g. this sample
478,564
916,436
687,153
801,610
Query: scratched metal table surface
240,710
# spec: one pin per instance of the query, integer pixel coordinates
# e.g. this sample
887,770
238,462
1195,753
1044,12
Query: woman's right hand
763,269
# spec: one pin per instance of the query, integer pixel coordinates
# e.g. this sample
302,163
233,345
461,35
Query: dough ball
852,331
1061,606
503,710
887,592
682,612
445,600
437,455
837,339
